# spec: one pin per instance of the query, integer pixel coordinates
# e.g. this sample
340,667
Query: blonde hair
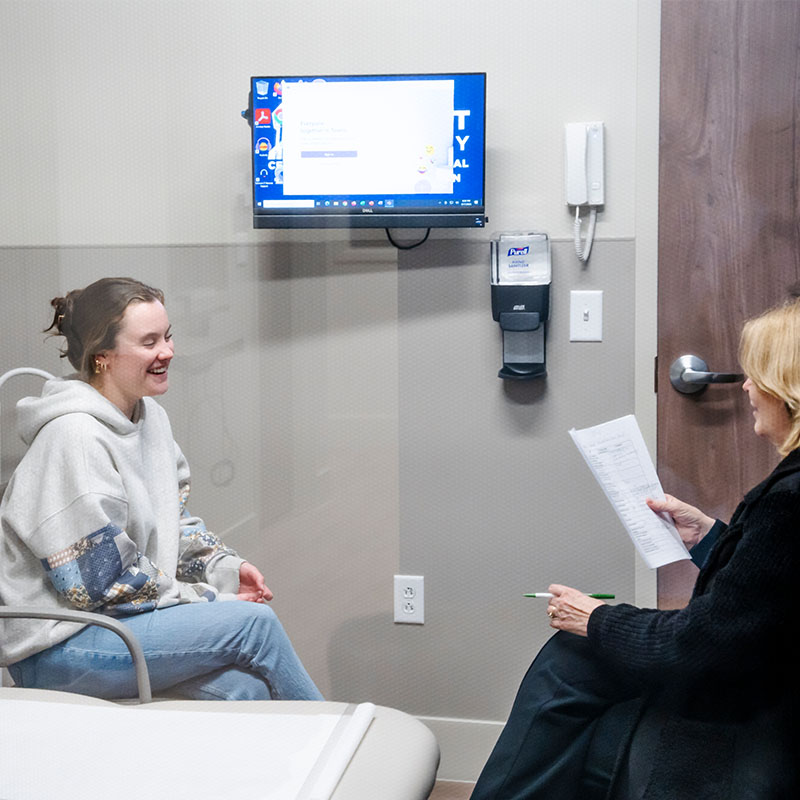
769,352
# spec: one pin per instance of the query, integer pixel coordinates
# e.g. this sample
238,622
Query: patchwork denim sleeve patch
198,548
103,572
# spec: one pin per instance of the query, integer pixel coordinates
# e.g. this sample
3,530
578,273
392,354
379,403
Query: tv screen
368,150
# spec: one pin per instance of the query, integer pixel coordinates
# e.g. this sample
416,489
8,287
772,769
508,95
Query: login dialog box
368,137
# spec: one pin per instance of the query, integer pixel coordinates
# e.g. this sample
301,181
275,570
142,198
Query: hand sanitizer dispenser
521,276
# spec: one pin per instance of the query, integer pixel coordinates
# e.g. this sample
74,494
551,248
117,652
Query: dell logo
520,307
366,210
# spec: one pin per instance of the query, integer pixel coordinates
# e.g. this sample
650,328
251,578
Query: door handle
689,374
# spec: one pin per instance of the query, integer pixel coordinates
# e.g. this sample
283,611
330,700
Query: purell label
523,259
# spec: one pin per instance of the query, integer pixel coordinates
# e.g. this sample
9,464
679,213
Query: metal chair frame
88,618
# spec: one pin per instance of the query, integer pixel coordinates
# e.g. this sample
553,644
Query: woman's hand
692,524
569,609
251,585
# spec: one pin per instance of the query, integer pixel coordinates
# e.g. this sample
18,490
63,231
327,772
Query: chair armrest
88,618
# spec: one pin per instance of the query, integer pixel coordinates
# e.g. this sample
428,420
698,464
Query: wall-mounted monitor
381,151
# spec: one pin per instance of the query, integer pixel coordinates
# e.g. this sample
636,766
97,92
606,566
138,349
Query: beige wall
337,398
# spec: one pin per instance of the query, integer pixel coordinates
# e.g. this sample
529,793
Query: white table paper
50,750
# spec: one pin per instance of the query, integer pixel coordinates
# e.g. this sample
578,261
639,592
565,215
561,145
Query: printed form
618,457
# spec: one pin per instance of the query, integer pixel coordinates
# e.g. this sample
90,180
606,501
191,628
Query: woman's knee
239,615
259,617
229,683
562,644
562,653
256,625
247,610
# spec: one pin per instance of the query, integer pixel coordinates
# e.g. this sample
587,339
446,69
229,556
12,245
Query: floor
451,790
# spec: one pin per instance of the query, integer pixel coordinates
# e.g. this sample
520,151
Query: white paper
93,752
617,455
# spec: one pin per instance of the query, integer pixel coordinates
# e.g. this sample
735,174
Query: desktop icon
263,146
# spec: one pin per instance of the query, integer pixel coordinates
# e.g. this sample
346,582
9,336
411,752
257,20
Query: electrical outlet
409,599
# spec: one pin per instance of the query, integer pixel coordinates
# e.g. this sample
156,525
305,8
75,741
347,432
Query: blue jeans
233,650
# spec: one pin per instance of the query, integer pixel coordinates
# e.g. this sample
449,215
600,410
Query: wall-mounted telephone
584,176
584,152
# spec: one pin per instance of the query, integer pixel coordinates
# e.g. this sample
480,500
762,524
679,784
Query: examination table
396,759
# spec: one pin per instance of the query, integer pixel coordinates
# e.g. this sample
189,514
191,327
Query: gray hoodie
94,518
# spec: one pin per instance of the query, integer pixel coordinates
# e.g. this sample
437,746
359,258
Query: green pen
596,595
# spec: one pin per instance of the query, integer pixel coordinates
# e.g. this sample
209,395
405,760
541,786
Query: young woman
699,702
95,518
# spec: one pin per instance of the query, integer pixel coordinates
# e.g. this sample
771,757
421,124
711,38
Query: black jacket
719,676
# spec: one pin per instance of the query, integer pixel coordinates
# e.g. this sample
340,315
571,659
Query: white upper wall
121,118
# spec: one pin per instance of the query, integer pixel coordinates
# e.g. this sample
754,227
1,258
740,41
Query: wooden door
729,234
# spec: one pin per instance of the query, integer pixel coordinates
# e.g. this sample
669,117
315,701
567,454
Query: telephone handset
584,150
585,183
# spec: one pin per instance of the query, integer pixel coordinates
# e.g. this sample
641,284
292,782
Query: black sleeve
726,629
700,551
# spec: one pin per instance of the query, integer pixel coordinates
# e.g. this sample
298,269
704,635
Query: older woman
95,518
699,702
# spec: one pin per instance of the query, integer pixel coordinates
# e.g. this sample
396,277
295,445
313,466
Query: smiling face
137,365
772,420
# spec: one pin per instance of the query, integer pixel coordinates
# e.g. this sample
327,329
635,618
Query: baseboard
465,745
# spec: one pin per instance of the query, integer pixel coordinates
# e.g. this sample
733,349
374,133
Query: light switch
585,316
